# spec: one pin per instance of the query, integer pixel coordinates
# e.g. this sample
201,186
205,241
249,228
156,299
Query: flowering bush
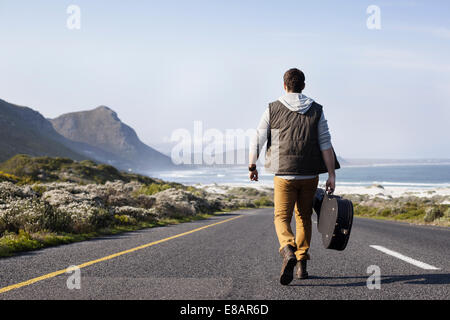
8,189
77,208
139,214
20,214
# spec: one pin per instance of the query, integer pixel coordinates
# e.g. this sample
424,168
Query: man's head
294,81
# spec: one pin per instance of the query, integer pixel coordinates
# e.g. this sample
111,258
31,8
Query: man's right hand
331,184
253,175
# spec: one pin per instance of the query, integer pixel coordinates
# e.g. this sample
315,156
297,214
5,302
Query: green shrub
39,189
101,218
447,212
22,241
8,177
432,214
384,212
263,202
153,188
413,214
3,227
191,189
365,210
124,220
54,220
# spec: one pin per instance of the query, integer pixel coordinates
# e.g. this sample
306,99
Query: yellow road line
112,256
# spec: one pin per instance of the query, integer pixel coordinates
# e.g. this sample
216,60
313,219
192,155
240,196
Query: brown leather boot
301,270
289,261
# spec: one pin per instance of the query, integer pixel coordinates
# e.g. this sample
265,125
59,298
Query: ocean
410,176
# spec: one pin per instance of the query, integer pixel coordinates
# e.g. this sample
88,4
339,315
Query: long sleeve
324,134
259,139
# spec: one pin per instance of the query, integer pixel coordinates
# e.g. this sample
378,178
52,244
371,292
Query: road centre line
112,256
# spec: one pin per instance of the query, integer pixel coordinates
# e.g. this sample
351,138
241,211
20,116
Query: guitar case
335,218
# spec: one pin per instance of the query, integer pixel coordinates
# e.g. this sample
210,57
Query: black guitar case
335,218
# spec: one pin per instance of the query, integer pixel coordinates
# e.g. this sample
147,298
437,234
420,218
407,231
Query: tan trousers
298,194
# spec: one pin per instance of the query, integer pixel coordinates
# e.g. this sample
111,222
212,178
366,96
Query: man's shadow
421,279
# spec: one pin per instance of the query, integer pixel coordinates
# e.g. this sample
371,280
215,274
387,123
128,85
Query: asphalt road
235,259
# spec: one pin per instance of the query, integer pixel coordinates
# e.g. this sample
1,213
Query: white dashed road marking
405,258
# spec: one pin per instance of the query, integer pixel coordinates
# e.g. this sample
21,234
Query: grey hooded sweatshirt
296,102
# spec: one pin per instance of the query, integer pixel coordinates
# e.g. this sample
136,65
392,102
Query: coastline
421,206
376,190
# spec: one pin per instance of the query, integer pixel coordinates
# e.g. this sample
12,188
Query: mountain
25,131
91,135
101,128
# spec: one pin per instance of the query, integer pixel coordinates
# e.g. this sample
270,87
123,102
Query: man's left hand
331,183
253,175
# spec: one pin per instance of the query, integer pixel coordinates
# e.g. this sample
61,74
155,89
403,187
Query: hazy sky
164,64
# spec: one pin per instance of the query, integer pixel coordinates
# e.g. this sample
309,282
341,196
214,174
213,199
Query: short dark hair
294,79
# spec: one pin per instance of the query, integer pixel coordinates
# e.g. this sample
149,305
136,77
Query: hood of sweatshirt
296,102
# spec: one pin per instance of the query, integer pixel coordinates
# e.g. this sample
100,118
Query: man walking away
298,150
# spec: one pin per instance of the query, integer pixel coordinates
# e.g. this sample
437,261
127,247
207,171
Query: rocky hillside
101,128
23,130
92,135
24,169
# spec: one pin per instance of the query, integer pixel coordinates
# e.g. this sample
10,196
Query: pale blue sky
164,64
